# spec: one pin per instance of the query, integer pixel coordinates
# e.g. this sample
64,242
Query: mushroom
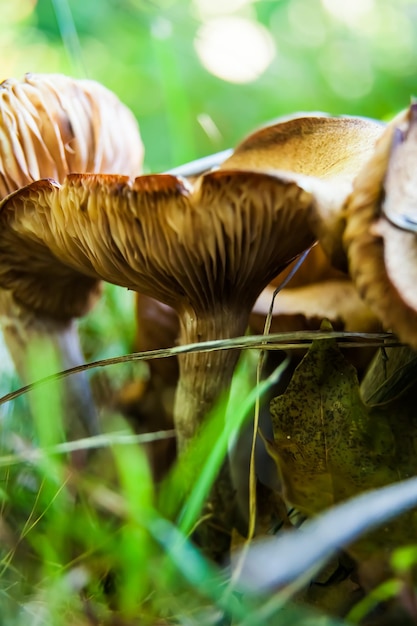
304,307
51,125
380,236
320,153
206,251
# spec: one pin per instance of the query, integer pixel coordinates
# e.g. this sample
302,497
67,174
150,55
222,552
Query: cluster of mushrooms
203,252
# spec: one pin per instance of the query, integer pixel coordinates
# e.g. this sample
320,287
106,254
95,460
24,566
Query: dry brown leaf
327,443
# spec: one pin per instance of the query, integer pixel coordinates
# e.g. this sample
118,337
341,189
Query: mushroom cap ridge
320,146
216,243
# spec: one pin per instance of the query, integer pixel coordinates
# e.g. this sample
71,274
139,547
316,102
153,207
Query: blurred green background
201,74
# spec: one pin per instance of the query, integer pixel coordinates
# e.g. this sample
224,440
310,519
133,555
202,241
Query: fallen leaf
328,444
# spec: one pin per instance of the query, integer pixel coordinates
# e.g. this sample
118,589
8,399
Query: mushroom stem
24,334
204,376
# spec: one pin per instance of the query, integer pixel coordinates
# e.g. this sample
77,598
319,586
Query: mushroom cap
323,154
382,257
317,291
215,244
315,268
320,146
304,308
52,125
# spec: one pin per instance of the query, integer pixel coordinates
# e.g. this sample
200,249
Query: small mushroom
51,125
316,291
305,307
380,237
206,251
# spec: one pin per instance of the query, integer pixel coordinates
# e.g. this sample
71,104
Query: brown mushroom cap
323,155
382,257
321,146
52,125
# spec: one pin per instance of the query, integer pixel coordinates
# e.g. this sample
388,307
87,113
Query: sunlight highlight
347,69
210,8
15,12
351,13
308,28
235,49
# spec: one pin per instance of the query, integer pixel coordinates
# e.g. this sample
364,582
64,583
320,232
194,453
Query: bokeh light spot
235,49
351,12
16,11
307,24
347,68
211,8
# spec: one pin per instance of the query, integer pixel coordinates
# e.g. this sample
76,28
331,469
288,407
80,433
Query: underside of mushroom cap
51,125
31,272
215,244
382,257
